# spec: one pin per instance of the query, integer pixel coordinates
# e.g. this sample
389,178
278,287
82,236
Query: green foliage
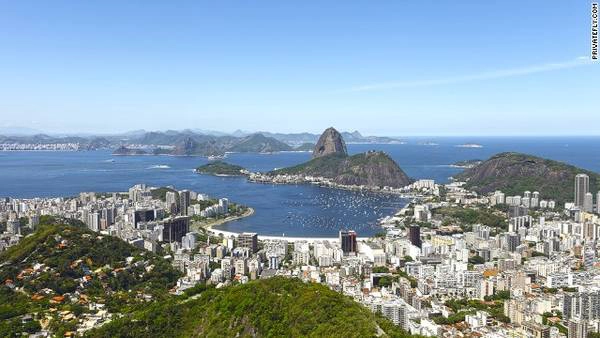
277,307
514,173
380,269
161,193
495,310
386,281
220,168
453,318
413,281
68,253
371,168
499,295
469,216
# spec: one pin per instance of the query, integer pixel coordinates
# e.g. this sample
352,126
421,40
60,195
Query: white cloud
497,74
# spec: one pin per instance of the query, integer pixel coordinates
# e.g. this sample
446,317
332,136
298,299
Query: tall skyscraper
171,199
348,241
582,187
175,228
598,202
512,241
414,235
184,202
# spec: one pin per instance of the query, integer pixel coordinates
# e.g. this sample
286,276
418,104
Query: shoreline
209,226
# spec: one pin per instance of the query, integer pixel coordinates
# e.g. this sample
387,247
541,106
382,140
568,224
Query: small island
221,168
470,145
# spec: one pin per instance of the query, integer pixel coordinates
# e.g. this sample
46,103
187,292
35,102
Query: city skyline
384,70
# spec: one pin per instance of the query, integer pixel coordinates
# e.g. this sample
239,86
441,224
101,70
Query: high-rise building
598,202
93,221
414,235
174,228
512,241
578,328
582,305
517,210
582,187
248,240
171,200
589,256
184,202
588,202
143,215
224,204
348,241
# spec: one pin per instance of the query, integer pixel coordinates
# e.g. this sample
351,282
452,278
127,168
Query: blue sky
382,67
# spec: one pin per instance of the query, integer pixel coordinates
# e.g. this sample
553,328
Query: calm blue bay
280,209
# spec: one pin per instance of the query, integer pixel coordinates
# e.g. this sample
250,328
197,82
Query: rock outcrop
330,142
331,160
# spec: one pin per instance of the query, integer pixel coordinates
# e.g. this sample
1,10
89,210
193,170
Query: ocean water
293,210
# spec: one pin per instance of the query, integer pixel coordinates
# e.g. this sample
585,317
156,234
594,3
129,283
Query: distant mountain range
192,142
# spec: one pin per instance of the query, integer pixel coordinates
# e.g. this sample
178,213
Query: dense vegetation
82,267
370,168
469,216
77,267
220,168
276,307
462,307
161,193
514,173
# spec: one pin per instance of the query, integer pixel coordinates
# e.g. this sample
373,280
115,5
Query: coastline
209,226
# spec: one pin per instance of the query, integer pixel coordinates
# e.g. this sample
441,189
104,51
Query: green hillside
66,268
373,168
514,173
62,275
276,307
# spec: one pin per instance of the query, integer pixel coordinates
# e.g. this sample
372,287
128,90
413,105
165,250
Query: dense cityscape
450,263
390,169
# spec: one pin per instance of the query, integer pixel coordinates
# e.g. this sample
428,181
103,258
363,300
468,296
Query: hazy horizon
24,131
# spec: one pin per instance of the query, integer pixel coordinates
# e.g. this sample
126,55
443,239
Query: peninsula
332,162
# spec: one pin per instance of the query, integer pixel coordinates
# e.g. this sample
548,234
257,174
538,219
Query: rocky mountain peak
330,142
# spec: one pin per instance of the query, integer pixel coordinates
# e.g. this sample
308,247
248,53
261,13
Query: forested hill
514,173
64,275
60,273
276,307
